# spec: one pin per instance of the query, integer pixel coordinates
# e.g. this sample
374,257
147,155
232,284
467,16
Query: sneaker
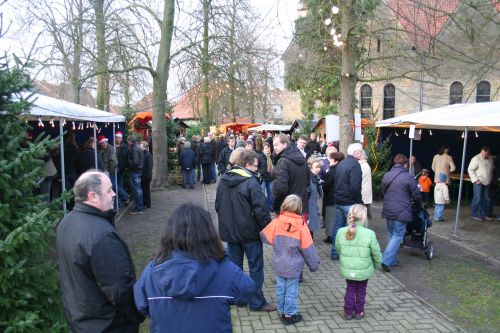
136,211
489,218
478,219
359,316
386,268
266,308
328,240
347,316
293,319
282,317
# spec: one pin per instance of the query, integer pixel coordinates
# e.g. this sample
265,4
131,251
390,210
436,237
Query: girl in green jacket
360,255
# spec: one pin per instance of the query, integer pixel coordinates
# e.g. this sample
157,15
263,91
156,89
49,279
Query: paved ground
389,308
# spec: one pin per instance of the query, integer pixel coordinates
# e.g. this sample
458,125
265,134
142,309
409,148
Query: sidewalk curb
465,246
451,321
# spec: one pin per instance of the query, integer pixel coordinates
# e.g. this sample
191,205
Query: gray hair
187,145
89,181
356,146
206,139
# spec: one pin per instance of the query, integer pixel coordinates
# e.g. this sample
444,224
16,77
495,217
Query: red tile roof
423,19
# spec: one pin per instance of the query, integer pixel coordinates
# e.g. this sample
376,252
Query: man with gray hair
347,187
96,271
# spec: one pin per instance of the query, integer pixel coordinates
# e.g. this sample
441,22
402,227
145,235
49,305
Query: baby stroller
416,232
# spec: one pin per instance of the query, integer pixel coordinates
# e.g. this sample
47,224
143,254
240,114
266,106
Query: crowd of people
193,275
128,158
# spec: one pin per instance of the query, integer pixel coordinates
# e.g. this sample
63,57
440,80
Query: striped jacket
292,245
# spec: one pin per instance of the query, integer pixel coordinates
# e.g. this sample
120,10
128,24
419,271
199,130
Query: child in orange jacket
425,183
292,247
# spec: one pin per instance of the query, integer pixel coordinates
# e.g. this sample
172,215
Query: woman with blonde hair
360,256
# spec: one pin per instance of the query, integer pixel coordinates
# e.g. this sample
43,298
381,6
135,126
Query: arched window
389,100
366,101
456,92
483,92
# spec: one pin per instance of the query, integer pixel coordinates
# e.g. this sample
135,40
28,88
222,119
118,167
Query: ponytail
351,231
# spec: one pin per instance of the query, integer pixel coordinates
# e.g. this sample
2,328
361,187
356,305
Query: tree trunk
102,100
160,79
348,80
205,67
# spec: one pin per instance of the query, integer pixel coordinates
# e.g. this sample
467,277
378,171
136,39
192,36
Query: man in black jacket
122,155
347,185
223,161
221,144
96,271
135,162
290,174
242,210
147,174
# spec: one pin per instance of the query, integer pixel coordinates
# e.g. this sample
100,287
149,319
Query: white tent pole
96,145
461,182
63,171
116,169
409,158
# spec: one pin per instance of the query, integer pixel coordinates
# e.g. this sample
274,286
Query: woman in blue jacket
190,284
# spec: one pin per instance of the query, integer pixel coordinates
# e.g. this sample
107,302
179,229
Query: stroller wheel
429,252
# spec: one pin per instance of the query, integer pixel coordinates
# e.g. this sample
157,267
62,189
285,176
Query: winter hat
119,134
442,177
101,139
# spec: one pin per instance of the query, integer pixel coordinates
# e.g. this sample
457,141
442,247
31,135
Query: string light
51,122
73,125
396,132
420,132
40,122
430,132
64,122
404,132
463,135
477,135
335,10
328,21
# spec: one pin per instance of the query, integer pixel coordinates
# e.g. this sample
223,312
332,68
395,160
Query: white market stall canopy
271,128
475,116
45,107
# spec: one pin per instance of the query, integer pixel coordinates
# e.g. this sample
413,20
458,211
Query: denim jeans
438,211
122,195
287,293
355,295
267,188
135,182
340,221
213,172
395,232
480,200
255,255
188,177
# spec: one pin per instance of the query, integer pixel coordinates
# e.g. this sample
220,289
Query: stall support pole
455,231
96,146
63,171
116,169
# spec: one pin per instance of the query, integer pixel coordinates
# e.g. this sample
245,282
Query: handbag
49,168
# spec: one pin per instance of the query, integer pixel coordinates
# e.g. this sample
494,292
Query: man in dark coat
96,270
221,144
213,172
242,210
313,146
188,164
147,174
135,163
399,189
223,161
290,173
347,184
122,156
